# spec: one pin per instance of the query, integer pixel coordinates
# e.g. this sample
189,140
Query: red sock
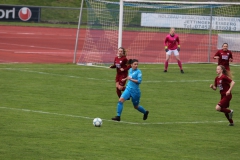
119,93
179,64
166,65
227,116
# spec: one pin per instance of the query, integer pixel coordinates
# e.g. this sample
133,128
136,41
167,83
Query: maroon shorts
119,79
225,101
227,68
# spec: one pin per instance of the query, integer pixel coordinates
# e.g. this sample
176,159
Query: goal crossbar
182,2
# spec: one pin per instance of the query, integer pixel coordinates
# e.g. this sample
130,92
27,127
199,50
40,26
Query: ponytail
131,61
226,72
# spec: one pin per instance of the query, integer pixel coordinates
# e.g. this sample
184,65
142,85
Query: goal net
202,27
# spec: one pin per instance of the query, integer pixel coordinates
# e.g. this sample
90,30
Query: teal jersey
137,75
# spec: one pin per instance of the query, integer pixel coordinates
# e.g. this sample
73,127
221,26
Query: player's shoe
165,71
145,116
231,124
182,71
117,118
230,114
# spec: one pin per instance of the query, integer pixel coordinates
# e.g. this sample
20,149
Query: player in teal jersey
132,90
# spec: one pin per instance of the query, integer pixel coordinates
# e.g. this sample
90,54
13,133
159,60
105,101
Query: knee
218,108
136,107
120,87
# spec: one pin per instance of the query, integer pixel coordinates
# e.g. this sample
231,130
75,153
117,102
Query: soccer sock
227,116
225,110
119,92
119,108
166,65
179,64
141,109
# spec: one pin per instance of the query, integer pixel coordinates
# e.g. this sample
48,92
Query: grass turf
47,112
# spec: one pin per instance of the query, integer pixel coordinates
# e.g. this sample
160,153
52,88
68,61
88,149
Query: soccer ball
97,122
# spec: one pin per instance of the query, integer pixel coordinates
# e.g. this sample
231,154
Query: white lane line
91,118
33,46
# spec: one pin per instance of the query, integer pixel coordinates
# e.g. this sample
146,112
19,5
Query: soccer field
47,112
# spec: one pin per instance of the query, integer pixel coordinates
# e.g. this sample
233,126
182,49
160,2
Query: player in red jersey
225,84
224,56
121,65
172,45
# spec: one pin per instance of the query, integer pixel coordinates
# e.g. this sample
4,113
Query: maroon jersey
224,57
223,83
172,42
121,63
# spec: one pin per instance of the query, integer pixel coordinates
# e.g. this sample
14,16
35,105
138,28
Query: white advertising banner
190,21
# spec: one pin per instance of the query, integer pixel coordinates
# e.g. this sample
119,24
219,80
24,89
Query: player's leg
121,84
223,105
123,97
135,101
118,91
168,54
176,54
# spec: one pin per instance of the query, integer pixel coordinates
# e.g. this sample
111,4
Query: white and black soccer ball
97,122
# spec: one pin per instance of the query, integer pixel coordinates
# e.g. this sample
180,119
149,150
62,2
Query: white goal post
140,26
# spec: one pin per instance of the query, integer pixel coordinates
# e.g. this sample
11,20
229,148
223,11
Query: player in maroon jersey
224,56
172,45
225,84
121,65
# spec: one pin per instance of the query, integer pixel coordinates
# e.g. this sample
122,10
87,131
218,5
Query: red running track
38,44
56,45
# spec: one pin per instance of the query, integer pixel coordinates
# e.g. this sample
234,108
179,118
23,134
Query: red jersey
224,57
172,42
121,63
223,83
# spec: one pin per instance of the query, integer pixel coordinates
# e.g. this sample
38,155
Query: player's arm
213,87
230,89
230,57
113,66
216,56
139,78
166,44
125,66
178,41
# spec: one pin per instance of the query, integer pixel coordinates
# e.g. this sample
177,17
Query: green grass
47,112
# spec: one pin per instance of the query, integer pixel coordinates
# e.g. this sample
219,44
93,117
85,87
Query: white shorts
175,51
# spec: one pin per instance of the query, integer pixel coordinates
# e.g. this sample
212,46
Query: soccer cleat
230,114
165,71
117,118
145,116
231,124
182,71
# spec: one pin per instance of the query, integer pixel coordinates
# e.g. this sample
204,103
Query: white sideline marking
76,116
182,81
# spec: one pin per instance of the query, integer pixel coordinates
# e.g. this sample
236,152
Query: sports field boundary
91,118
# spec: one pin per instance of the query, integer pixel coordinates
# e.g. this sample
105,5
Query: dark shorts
227,68
225,101
119,79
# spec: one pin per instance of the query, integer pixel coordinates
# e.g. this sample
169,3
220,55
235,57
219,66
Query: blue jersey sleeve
139,76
